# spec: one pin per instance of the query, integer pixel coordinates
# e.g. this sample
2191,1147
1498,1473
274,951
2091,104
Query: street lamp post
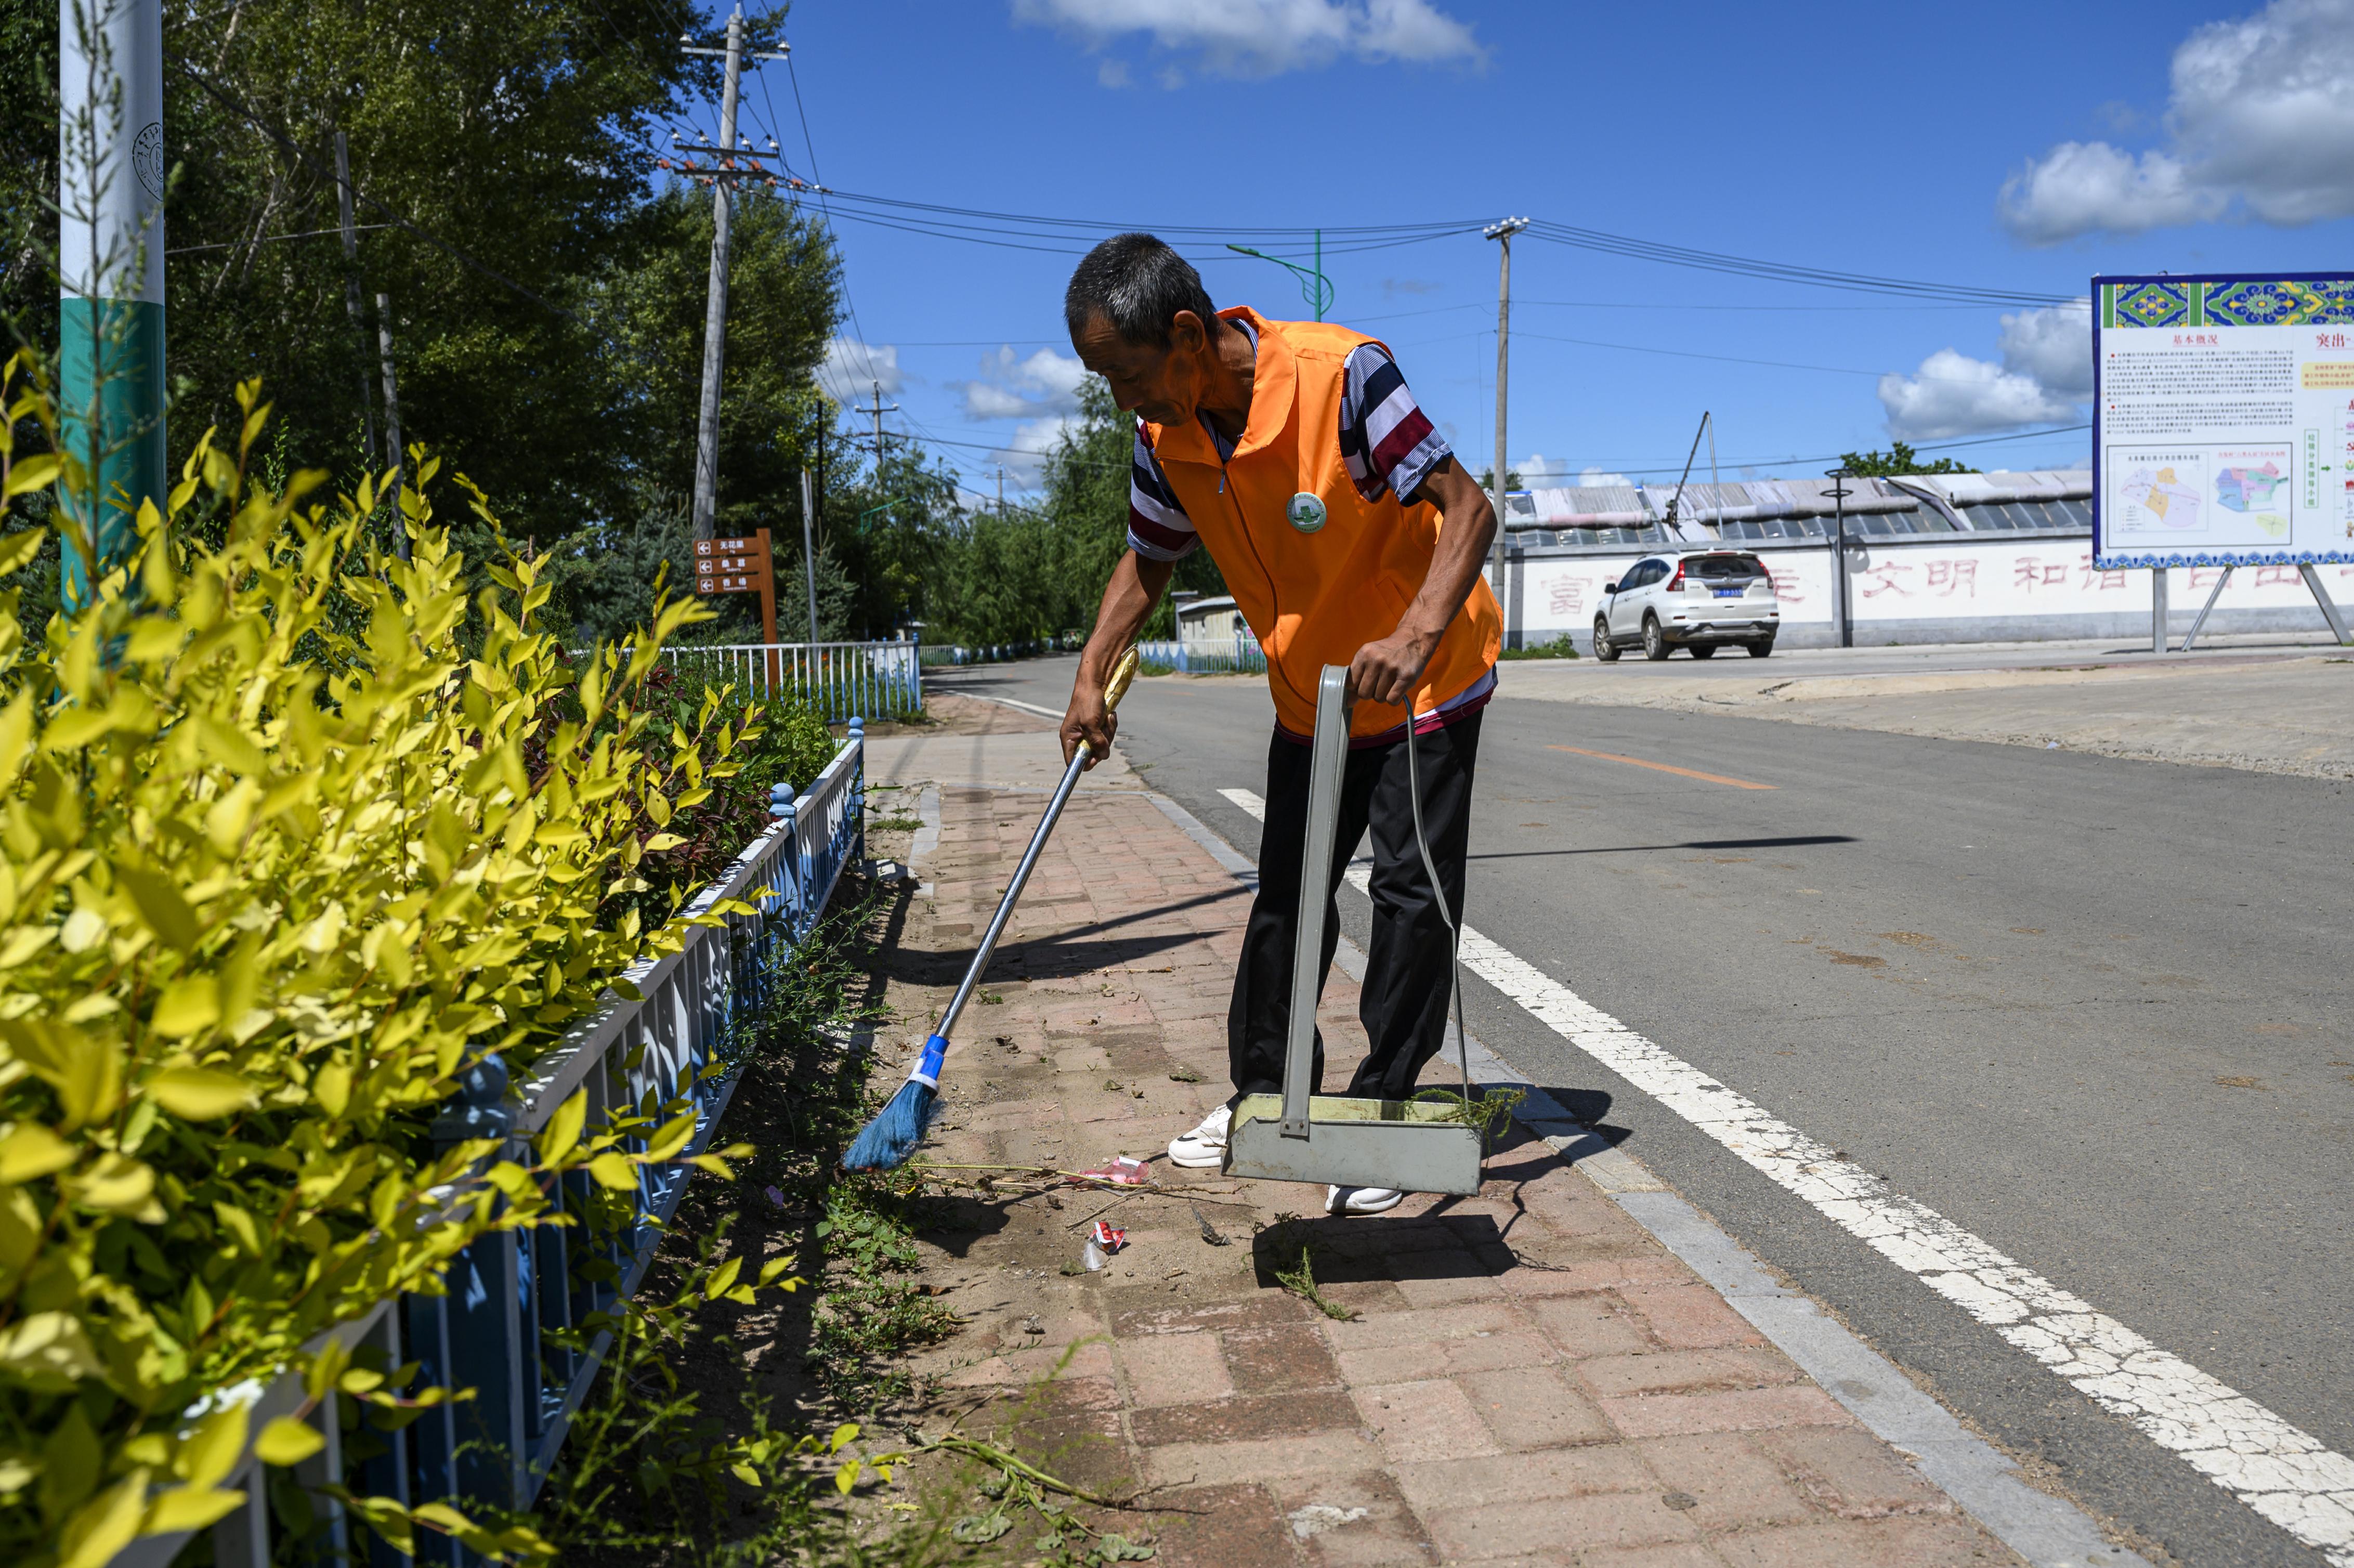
1839,478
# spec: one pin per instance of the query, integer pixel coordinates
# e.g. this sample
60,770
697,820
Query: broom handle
1114,689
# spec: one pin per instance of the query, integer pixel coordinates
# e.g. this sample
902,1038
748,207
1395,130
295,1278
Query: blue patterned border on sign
2287,302
2220,559
2151,304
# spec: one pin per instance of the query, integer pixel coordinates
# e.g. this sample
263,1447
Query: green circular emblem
1306,512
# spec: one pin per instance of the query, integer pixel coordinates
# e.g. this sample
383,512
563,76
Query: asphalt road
2094,1010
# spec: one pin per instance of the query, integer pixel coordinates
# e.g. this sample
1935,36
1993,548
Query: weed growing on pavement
873,1309
1300,1280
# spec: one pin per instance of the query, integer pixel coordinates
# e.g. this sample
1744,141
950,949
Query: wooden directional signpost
739,566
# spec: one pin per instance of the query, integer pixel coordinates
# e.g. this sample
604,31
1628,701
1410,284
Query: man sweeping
1348,535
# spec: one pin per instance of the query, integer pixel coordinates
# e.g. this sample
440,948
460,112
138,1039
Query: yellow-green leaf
32,473
49,1351
160,905
563,1133
287,1442
211,1451
189,1005
199,1094
189,1509
614,1170
17,550
32,1150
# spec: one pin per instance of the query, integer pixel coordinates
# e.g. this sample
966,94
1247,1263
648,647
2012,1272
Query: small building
1210,621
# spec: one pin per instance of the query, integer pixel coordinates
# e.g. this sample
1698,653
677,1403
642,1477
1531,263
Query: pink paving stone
1691,1317
1446,1357
1735,1485
1424,1327
1590,1325
1385,1533
1647,1267
1259,1460
1580,1524
1685,1371
1534,1407
1524,1478
1662,1415
1429,1420
1874,1543
1174,1369
1851,1472
1681,1554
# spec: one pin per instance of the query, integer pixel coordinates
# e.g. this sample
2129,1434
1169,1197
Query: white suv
1696,599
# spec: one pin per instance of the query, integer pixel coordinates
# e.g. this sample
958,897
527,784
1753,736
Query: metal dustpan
1415,1145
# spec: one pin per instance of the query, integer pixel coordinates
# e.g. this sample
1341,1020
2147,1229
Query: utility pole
392,422
1501,233
1000,495
352,291
714,310
109,278
878,410
809,547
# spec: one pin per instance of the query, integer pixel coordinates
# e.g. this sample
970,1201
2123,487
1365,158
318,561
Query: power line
1778,272
1833,457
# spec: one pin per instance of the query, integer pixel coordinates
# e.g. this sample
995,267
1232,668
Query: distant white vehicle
1699,600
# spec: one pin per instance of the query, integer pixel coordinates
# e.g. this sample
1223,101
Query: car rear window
1725,567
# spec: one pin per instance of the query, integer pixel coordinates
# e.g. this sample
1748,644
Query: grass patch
1300,1280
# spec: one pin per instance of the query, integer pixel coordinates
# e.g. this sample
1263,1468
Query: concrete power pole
1502,234
352,290
878,410
392,422
714,311
731,166
109,276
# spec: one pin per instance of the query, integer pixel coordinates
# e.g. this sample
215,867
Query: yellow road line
1663,767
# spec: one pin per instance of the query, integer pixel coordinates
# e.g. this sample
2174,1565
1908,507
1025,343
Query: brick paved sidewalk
1529,1377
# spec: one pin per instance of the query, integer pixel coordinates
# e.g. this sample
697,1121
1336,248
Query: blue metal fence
507,1292
1238,655
877,680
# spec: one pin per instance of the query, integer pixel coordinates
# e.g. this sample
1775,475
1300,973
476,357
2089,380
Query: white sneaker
1206,1144
1361,1200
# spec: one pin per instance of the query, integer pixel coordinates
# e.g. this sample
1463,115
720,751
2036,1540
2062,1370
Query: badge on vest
1306,512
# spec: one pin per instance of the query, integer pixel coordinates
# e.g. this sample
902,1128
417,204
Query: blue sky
2004,146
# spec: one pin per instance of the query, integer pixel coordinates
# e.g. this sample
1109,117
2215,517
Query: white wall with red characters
1949,588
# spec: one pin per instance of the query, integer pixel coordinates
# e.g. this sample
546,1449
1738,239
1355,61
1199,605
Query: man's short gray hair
1138,284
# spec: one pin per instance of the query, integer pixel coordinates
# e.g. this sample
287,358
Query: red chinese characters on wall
2090,574
1568,596
1954,575
2032,572
1883,578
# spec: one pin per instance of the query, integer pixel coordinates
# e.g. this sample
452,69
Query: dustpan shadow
1370,1249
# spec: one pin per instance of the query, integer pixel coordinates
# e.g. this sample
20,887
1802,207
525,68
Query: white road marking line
2280,1471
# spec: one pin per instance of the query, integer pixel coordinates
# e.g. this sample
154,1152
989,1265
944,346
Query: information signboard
739,566
2223,420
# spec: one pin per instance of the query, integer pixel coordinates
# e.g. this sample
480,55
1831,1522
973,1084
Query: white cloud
2260,121
2046,371
1025,457
1537,469
2052,345
1265,38
852,371
1954,394
1044,383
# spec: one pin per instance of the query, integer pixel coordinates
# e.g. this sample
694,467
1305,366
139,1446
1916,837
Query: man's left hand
1388,671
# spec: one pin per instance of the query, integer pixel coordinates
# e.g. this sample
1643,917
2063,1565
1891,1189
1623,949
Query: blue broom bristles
898,1126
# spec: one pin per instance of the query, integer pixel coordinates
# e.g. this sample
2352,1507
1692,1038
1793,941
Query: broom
899,1126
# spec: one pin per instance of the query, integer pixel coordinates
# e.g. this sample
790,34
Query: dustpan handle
1326,761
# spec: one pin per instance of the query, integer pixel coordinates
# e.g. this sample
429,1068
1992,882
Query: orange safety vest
1314,599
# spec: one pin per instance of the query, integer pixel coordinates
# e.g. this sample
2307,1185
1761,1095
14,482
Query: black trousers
1405,997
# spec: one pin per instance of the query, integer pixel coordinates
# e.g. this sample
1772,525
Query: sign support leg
2328,609
2204,611
769,613
2157,610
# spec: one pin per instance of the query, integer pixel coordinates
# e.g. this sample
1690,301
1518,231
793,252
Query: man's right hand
1088,720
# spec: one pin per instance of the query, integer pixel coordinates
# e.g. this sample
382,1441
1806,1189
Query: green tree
1897,459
